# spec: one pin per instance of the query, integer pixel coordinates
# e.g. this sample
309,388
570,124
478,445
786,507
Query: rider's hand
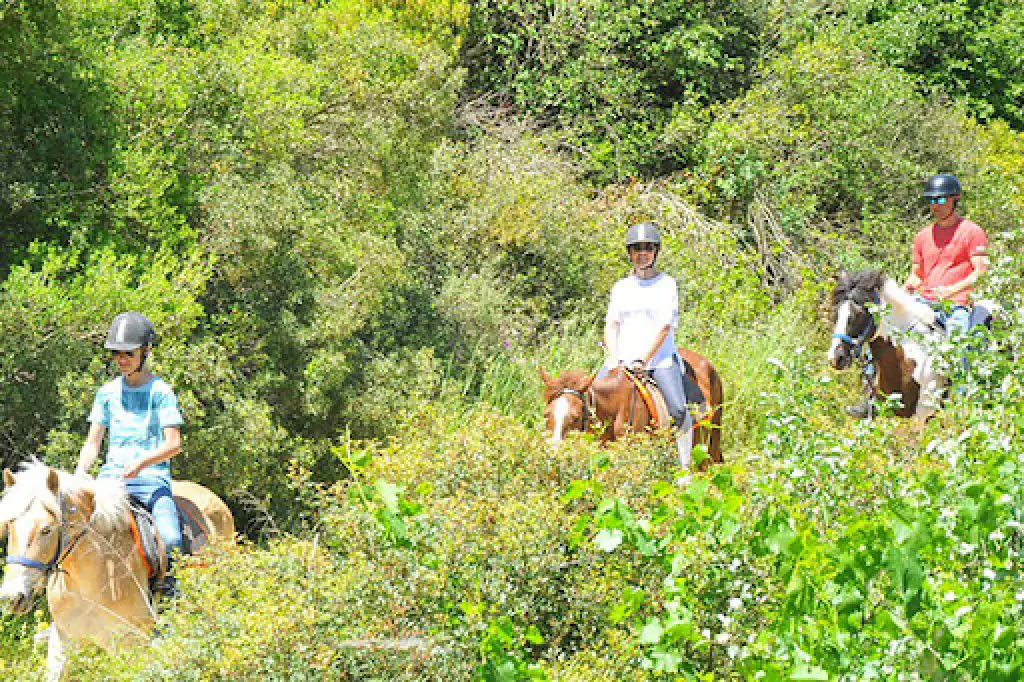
637,366
943,292
132,470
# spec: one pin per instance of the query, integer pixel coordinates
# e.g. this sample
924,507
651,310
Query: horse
574,398
75,537
906,367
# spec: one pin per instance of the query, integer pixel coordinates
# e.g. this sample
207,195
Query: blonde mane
111,501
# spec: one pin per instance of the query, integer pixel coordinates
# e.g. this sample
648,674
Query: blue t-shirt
135,417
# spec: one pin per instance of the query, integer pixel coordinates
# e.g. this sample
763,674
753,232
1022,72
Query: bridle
585,397
870,329
65,545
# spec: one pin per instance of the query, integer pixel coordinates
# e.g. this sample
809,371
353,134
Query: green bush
609,76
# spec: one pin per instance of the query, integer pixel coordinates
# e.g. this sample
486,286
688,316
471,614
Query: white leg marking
55,656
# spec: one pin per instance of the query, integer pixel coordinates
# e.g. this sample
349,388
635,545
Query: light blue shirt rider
135,418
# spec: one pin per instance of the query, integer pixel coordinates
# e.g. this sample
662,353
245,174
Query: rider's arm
658,340
915,277
90,449
611,342
169,448
979,265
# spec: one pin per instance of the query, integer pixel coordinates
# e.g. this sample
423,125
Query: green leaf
388,494
804,671
651,633
608,539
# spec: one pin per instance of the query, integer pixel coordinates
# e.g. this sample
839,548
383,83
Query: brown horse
576,401
73,536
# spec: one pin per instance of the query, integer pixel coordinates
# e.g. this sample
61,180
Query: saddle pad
147,540
654,400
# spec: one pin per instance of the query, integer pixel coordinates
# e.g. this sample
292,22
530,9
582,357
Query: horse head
854,323
568,406
33,516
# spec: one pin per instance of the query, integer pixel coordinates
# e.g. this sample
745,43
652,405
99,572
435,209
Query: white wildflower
966,548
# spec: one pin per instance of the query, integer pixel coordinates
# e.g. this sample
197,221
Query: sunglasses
941,201
643,247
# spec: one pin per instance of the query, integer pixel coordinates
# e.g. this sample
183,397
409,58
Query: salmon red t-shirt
944,256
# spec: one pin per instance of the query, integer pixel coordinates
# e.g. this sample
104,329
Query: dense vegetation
361,226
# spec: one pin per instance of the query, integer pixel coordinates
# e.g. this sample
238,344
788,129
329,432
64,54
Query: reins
586,398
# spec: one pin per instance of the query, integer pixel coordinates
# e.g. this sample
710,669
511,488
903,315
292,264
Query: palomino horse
574,399
74,536
906,368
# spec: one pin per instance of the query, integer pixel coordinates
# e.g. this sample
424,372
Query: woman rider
141,412
640,326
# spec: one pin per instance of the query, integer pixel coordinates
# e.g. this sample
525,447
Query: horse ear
545,377
52,481
8,478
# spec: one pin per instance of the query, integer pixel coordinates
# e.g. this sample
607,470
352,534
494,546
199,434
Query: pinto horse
575,401
73,536
905,368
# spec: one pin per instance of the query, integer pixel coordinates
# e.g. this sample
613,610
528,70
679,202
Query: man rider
949,257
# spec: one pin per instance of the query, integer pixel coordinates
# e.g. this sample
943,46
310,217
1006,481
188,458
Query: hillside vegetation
361,226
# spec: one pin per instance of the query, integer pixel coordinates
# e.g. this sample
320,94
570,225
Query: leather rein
587,400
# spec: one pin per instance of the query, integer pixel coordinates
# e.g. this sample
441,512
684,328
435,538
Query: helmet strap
142,362
649,271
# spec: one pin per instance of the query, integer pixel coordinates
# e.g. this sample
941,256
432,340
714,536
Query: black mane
860,287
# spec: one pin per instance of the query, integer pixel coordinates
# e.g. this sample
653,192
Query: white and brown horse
576,401
904,367
73,536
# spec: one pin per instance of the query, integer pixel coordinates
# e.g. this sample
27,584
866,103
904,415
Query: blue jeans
958,322
155,494
670,381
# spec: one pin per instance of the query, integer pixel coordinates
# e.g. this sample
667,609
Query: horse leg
56,655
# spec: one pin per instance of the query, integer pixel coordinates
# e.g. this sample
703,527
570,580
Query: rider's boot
684,446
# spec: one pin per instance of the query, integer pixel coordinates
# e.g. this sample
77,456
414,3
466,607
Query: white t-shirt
643,307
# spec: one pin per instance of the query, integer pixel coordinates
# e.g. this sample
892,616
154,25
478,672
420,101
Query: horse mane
111,512
869,286
570,378
860,287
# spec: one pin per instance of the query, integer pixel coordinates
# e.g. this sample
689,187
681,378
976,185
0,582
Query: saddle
650,393
194,535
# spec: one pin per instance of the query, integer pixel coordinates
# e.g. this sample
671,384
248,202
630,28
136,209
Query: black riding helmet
942,185
129,331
